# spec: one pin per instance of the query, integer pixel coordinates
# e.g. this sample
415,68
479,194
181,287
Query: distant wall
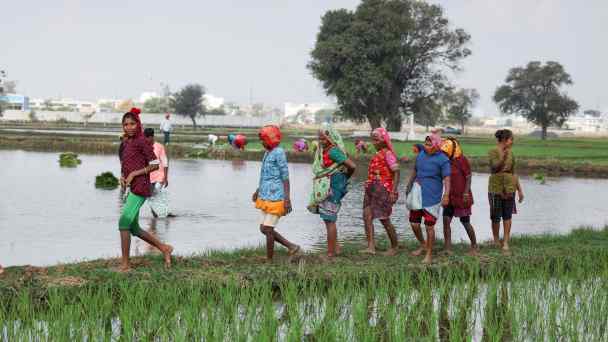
209,120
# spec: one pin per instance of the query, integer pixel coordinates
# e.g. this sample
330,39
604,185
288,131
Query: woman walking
432,174
381,191
272,196
137,160
502,186
461,197
331,171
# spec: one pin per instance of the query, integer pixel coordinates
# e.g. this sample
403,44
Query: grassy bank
579,157
552,288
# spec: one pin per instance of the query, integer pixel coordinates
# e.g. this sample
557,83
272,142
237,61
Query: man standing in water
165,127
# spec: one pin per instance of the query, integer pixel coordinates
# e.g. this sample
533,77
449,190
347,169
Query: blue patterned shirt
274,173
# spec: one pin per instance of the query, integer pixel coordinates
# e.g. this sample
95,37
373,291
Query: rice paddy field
553,288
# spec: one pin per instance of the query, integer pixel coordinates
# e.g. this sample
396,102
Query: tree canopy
382,59
459,106
189,102
535,93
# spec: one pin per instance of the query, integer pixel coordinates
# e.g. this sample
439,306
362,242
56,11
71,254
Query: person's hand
123,182
288,208
520,194
408,189
466,198
165,182
393,196
129,179
445,201
254,197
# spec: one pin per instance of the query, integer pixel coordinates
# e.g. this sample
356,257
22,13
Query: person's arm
287,198
350,167
497,162
164,162
146,170
466,169
520,190
337,156
446,191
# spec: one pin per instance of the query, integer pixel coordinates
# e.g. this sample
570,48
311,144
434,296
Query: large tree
380,60
460,105
428,112
535,93
189,102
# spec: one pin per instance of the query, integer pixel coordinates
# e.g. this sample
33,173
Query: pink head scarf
383,134
436,141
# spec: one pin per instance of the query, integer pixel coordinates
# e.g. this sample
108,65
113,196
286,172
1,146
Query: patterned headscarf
383,134
451,147
334,136
271,136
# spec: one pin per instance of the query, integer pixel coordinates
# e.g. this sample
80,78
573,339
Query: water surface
50,214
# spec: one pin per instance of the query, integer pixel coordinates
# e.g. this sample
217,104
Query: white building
304,112
586,124
146,95
70,105
212,102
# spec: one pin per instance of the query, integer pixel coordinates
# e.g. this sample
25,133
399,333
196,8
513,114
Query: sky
242,48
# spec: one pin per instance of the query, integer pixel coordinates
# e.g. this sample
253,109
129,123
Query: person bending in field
432,175
381,191
461,197
137,160
272,196
331,171
502,187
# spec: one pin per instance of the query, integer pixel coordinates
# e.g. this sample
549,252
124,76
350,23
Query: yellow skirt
271,207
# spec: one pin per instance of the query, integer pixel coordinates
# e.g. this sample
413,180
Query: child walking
137,160
381,191
272,197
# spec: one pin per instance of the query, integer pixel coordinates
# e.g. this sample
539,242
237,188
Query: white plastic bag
413,201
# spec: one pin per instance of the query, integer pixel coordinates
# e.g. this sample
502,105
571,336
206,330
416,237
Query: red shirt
136,154
381,168
461,169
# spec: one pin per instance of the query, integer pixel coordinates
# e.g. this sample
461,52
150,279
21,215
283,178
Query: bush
69,159
106,181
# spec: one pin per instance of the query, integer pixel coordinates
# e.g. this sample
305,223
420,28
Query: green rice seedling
106,181
69,159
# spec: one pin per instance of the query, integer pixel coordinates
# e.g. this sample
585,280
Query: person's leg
507,235
332,237
125,247
447,234
415,222
466,223
392,235
430,240
292,247
369,231
267,231
1,269
166,249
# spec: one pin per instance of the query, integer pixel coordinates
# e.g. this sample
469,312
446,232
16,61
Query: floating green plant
106,181
540,177
69,159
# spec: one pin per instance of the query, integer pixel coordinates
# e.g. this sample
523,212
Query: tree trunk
427,127
374,121
462,128
394,123
543,135
193,118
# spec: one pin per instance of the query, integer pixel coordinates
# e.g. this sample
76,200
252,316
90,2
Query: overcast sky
119,48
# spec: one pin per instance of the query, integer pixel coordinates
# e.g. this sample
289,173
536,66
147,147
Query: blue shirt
430,171
274,173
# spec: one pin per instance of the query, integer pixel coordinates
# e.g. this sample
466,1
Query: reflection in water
456,316
212,201
497,315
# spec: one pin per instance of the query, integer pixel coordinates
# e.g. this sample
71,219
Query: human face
509,142
324,139
377,141
129,126
263,142
428,146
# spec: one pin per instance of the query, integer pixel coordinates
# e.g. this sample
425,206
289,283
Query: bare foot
167,254
418,252
368,251
391,252
124,268
496,243
293,250
474,251
328,258
338,250
427,260
505,250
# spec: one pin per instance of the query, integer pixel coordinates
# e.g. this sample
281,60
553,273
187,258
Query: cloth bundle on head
271,136
451,147
321,183
383,134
